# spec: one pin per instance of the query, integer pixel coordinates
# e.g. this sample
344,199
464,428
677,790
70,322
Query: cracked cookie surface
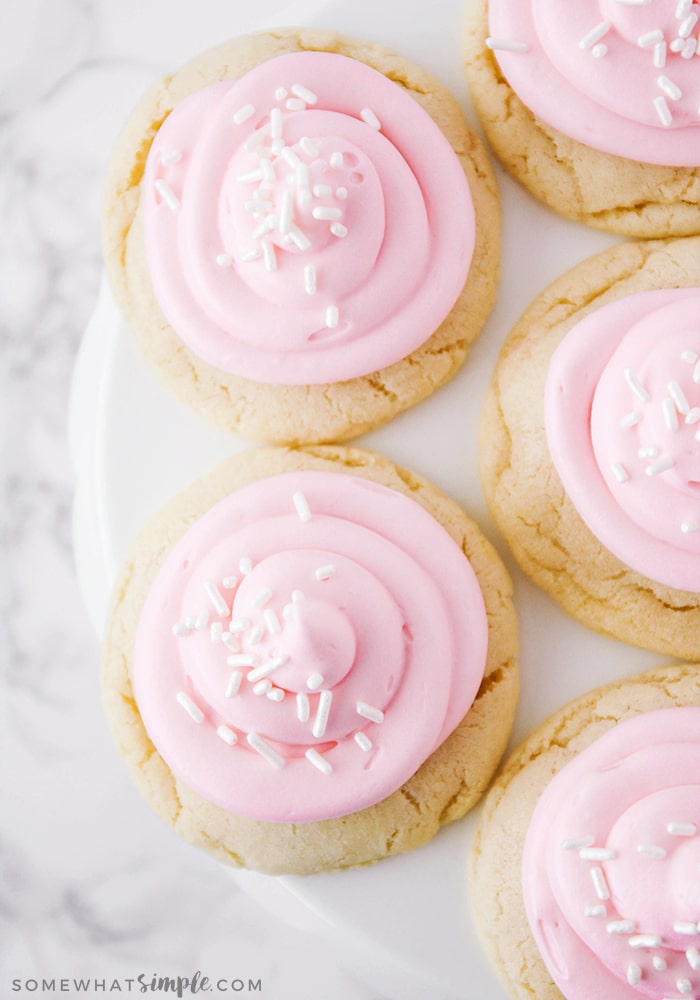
450,781
548,537
293,414
602,190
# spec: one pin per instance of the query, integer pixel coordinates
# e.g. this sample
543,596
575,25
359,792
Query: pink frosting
330,617
622,412
307,223
611,866
621,76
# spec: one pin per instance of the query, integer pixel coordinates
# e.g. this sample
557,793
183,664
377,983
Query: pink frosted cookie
312,646
594,106
303,246
590,444
586,883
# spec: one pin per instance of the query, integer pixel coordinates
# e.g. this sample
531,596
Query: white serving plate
405,923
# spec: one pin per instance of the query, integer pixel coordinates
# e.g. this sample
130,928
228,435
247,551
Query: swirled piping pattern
307,223
622,416
618,75
611,866
306,646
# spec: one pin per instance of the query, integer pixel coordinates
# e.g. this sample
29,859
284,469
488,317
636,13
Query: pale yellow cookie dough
444,787
293,414
604,191
546,534
495,861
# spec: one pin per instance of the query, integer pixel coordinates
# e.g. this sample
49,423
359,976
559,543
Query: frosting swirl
618,75
622,412
611,874
307,645
306,223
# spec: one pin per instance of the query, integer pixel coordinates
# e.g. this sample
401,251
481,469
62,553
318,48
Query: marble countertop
92,887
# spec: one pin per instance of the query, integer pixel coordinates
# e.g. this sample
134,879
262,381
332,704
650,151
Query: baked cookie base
276,413
444,787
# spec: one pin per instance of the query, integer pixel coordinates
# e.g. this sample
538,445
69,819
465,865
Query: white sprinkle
594,35
332,317
214,595
288,612
683,986
190,622
266,226
690,357
662,109
265,750
369,712
683,9
168,195
685,927
669,88
634,974
265,669
631,419
621,927
336,160
678,397
239,624
322,190
324,572
308,147
322,712
290,157
276,694
645,941
659,963
300,240
262,687
651,850
302,707
231,642
690,48
180,630
505,45
327,213
295,104
194,711
368,116
297,595
249,255
656,468
253,140
262,598
286,212
670,414
595,911
577,842
250,177
277,145
281,93
276,123
659,58
229,582
302,506
636,386
243,114
693,957
272,621
696,373
202,621
600,883
227,735
341,193
216,631
682,829
677,45
242,660
620,472
600,50
363,742
310,279
314,681
689,527
650,38
315,758
304,93
255,635
687,25
172,156
338,229
650,452
597,854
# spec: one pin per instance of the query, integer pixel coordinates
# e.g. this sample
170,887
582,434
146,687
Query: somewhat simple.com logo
177,986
